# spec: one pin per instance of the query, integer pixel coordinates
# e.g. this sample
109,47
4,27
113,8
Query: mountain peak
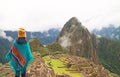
73,21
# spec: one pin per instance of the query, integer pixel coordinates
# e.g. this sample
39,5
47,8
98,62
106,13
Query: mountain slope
5,43
109,54
4,47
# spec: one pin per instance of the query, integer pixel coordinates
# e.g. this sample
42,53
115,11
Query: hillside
109,54
109,47
5,43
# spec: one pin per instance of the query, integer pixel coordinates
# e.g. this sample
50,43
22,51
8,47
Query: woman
20,55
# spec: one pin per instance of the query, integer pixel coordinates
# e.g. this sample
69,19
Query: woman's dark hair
21,40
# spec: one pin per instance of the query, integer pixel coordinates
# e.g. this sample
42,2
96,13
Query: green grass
55,63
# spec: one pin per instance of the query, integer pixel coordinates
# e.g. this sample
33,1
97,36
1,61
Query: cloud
103,20
3,35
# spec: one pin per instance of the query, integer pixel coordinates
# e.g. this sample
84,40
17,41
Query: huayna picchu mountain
77,40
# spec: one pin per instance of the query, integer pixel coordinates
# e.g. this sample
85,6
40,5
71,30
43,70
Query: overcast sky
39,15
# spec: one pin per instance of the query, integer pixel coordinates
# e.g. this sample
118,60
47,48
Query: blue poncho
19,57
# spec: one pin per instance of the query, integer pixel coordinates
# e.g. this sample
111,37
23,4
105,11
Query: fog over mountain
111,32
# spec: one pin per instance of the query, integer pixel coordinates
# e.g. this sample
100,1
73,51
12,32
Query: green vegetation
2,76
109,54
36,46
54,47
59,67
0,64
94,74
44,51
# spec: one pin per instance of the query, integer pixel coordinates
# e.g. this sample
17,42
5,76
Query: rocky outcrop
39,69
77,40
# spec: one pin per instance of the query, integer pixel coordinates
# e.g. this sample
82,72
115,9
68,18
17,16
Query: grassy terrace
56,64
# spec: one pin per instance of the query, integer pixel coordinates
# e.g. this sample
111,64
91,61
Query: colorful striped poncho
19,56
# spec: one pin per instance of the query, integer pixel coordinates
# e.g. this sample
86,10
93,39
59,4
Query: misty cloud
65,41
3,35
